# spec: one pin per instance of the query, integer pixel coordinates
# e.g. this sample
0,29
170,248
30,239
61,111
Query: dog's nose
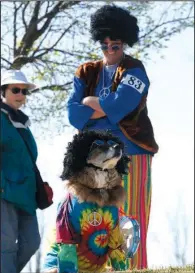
117,149
116,146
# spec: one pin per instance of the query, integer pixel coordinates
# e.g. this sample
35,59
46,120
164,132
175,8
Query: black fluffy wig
116,23
78,149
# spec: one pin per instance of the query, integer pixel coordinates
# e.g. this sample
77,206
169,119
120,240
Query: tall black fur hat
116,23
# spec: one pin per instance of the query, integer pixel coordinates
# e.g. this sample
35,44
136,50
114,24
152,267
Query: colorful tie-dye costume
88,232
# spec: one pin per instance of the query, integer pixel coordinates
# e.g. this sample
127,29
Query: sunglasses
98,143
114,47
17,90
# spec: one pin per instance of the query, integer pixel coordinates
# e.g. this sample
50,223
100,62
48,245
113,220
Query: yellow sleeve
117,254
115,238
50,239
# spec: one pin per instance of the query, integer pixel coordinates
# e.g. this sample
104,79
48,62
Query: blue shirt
116,105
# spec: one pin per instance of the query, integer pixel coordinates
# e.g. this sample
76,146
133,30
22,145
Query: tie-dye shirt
94,233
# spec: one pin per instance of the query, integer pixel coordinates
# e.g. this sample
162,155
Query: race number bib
134,82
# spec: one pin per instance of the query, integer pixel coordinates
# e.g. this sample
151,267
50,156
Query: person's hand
92,102
85,101
88,100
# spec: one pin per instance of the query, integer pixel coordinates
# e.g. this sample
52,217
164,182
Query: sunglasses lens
111,142
98,142
115,47
104,47
15,90
25,92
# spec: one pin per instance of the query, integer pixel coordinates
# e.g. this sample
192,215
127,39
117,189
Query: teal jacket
18,183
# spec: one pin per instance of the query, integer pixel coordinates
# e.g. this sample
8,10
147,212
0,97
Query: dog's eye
111,142
98,142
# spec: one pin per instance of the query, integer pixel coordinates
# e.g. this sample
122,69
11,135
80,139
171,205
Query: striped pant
138,188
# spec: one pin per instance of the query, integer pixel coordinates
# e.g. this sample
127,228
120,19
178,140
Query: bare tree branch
51,14
21,60
190,10
64,52
61,36
157,41
48,6
4,66
15,24
5,60
164,12
36,12
14,27
23,15
6,45
55,87
32,33
42,41
164,23
61,5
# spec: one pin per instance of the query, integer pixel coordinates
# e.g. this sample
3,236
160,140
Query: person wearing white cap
20,236
16,87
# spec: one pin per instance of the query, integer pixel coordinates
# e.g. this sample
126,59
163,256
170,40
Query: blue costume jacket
131,86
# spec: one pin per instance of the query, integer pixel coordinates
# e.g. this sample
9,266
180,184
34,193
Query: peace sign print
104,92
94,219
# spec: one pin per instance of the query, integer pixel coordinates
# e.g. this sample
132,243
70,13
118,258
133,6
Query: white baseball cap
15,76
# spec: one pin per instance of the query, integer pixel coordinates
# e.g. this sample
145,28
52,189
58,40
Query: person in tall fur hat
111,94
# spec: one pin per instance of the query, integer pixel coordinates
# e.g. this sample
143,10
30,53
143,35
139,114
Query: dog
87,225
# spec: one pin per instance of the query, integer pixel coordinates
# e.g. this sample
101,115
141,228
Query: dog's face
93,167
102,150
105,154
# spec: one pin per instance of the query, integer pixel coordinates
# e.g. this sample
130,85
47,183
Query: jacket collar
17,117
